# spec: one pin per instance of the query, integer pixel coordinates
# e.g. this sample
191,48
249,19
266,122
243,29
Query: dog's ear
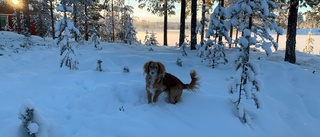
162,69
146,67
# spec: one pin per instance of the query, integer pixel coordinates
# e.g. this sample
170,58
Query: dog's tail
194,84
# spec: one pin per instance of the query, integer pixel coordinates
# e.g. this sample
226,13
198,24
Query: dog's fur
157,81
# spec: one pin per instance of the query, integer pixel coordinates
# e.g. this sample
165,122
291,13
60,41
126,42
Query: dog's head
154,68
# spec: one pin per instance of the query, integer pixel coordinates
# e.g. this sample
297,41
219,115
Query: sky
143,14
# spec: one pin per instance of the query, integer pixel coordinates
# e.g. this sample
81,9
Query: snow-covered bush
33,124
64,28
179,62
99,67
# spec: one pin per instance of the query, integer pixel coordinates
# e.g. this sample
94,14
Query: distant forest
143,24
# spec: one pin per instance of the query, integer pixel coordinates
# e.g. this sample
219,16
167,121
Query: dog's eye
153,67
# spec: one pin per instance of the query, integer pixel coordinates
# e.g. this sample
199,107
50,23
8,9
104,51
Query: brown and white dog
157,81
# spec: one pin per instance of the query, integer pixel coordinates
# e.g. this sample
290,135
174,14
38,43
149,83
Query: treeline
143,24
106,18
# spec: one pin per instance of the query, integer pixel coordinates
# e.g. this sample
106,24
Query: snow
112,103
33,128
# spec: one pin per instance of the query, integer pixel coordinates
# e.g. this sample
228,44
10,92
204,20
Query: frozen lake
173,38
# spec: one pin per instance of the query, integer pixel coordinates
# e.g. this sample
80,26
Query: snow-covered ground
113,103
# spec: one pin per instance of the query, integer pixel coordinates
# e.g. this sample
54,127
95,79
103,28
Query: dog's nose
152,73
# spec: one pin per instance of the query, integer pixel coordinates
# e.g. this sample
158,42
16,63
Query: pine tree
309,48
64,28
246,82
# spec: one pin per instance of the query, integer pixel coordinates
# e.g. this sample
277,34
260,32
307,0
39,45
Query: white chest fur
150,87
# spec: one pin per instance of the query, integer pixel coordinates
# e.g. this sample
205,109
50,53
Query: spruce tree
64,28
219,27
131,33
246,82
309,48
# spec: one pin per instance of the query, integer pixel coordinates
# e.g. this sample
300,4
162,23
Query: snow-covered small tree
183,49
309,48
63,28
150,39
246,82
131,33
33,124
219,26
95,39
27,118
179,62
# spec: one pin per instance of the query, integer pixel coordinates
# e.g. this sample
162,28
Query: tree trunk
86,35
221,18
165,37
52,20
112,21
203,21
290,54
26,21
193,24
18,24
182,22
231,33
75,22
237,34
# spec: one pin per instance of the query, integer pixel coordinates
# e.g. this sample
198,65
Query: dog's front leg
149,94
156,95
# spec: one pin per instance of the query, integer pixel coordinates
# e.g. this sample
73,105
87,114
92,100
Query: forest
113,21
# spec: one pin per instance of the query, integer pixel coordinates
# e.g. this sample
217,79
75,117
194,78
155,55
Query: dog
158,81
